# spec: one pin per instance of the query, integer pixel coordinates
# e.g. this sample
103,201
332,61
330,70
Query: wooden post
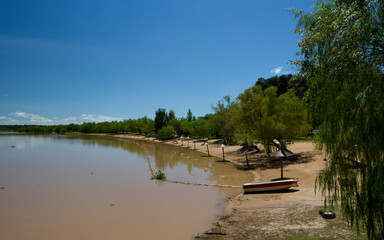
281,162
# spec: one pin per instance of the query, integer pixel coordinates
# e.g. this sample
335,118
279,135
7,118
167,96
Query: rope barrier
202,184
186,183
149,164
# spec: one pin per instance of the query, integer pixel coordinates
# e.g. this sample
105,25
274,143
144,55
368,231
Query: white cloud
19,114
33,118
99,118
21,118
276,70
8,121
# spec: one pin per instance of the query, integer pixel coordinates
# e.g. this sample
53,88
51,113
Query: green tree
176,124
189,116
299,84
222,123
186,126
281,83
201,128
148,127
160,119
262,116
166,132
342,57
170,116
114,127
87,127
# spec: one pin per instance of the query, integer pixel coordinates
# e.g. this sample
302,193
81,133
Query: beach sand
282,215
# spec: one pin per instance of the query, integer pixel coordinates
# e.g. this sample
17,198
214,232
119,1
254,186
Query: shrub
166,132
159,175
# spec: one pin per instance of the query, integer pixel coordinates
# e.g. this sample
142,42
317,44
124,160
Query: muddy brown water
90,187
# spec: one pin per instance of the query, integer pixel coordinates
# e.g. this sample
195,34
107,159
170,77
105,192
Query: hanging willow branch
346,100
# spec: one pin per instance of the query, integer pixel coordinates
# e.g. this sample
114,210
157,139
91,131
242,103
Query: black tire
329,215
321,211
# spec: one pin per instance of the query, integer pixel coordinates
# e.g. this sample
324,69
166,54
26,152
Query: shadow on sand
260,160
272,192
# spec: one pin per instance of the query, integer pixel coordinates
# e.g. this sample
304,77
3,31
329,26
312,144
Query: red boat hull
270,186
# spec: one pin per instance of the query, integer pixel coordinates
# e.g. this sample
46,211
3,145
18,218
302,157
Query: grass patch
217,224
159,175
304,139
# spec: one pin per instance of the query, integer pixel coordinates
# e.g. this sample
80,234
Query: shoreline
274,215
230,152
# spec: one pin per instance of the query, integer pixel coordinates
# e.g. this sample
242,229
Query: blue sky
98,60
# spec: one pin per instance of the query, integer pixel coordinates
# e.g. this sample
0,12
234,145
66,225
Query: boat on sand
274,185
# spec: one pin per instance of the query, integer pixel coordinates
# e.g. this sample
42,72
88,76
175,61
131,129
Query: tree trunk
283,147
281,163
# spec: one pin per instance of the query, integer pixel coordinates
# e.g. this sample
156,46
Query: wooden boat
275,185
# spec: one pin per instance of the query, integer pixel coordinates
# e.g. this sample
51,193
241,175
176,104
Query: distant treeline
228,122
136,126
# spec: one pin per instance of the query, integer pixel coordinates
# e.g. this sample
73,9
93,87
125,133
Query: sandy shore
272,215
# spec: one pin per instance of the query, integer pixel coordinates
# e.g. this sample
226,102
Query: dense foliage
280,82
141,125
285,82
167,132
222,121
342,57
160,119
265,117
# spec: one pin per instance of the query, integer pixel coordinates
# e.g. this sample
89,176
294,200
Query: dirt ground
291,214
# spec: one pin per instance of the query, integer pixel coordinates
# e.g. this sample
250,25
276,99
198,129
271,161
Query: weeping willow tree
342,57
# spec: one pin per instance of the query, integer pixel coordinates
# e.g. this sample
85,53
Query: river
97,187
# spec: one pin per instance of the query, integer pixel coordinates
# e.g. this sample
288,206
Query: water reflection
200,169
168,157
94,187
